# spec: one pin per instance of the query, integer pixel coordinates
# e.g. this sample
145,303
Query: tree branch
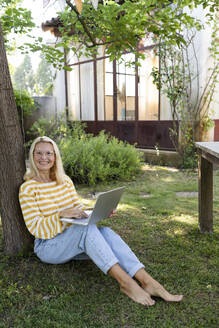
81,20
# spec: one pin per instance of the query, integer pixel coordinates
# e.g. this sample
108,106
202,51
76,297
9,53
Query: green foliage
14,19
188,150
88,159
206,123
118,27
25,106
25,103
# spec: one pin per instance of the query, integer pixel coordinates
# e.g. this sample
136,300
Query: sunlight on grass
126,207
147,167
176,232
188,219
167,179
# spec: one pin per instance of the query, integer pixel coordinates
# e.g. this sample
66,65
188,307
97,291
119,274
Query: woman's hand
73,212
113,213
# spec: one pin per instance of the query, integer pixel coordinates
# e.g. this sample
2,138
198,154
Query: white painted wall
59,92
202,44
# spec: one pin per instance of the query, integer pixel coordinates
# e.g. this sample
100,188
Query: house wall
59,92
202,43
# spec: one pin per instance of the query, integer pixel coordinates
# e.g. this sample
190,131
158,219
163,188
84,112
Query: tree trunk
12,163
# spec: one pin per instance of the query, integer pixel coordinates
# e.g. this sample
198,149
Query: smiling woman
46,197
44,159
45,162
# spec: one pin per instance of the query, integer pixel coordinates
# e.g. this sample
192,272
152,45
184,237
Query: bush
25,103
88,159
188,150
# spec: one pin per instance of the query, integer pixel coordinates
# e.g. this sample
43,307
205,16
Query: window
148,94
108,90
113,90
125,87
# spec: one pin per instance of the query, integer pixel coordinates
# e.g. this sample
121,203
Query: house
123,100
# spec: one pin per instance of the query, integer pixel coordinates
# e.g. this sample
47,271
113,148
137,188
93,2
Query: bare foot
130,287
136,293
155,289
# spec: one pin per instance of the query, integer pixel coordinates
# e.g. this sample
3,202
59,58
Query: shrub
90,160
25,103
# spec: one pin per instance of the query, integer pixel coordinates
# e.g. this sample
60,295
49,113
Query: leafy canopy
14,19
116,25
119,26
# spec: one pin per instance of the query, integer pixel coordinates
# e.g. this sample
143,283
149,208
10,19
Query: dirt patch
187,194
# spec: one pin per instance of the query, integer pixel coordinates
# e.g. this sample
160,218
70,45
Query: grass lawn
162,229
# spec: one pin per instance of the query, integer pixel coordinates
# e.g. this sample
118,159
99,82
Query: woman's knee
105,230
108,233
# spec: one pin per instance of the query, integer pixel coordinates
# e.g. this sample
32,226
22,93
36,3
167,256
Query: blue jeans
102,245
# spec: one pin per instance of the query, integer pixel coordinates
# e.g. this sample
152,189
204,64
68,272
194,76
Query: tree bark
16,237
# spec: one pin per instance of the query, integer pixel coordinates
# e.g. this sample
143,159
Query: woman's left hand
113,213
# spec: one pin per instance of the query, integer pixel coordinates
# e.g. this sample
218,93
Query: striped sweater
41,203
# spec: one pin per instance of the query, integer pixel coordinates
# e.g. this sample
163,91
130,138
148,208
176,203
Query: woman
48,195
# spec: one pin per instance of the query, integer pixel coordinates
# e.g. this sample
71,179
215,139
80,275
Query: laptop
106,202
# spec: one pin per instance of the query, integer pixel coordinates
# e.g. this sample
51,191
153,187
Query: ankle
143,277
120,275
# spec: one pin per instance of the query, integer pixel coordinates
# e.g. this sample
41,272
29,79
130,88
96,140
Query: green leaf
67,68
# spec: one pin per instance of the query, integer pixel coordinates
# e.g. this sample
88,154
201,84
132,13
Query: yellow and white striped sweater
41,203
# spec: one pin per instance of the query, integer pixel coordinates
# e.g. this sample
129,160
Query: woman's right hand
73,213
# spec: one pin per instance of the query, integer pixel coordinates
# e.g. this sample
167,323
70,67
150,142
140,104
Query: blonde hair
57,172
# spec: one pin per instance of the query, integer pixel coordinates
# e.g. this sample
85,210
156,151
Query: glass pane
109,96
121,97
130,85
87,92
109,84
130,69
74,95
123,66
120,66
100,90
126,89
108,65
147,91
130,97
108,108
